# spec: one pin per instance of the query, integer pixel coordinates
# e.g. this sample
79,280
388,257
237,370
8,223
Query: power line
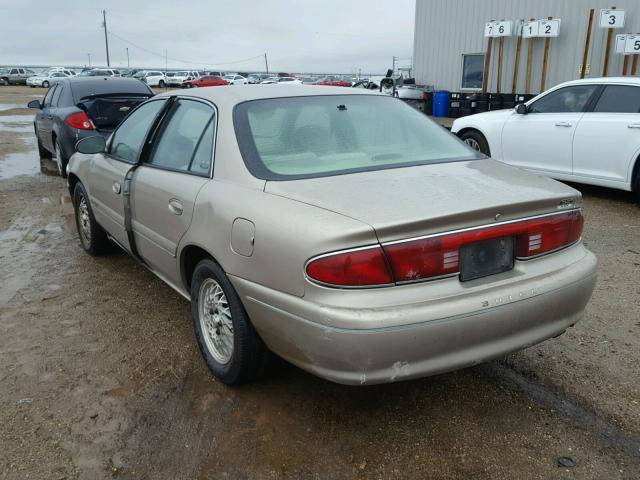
162,55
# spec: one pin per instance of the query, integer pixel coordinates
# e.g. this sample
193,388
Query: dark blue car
79,107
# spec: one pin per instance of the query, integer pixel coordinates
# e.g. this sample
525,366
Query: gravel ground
101,377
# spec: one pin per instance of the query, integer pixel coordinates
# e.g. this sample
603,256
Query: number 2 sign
549,28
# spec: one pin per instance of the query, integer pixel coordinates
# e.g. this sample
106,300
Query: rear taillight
354,268
439,255
80,120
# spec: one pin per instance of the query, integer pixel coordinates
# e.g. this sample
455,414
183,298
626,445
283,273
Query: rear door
542,140
166,184
607,139
108,171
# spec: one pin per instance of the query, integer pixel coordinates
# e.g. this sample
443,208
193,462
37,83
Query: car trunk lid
408,202
106,111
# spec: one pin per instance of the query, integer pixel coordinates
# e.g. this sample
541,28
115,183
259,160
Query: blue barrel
441,103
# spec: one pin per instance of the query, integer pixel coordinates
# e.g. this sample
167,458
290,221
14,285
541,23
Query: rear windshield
301,137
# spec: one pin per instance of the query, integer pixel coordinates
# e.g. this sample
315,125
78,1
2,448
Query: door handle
175,206
633,125
563,124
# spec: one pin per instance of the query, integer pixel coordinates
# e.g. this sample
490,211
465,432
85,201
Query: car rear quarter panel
287,234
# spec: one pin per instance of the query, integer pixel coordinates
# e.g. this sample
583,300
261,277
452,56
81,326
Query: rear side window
619,99
571,99
127,140
186,139
299,137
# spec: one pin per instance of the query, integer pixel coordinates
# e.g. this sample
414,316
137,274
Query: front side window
565,100
298,137
127,140
186,139
47,98
14,71
619,99
472,71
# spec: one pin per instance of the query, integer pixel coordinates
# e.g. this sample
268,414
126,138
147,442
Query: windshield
181,74
140,74
298,137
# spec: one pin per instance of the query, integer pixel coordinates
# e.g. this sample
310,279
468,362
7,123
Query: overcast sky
298,36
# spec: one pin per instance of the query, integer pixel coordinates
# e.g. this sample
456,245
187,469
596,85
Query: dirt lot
101,377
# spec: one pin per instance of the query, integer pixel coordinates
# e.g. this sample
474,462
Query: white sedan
236,80
46,79
586,131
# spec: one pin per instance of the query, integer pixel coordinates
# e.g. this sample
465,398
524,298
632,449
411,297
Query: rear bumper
426,341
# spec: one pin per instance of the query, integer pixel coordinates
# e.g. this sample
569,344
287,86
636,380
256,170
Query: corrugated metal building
449,33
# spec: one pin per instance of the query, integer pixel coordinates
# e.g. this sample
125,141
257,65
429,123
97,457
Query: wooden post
587,41
527,87
487,65
605,68
500,55
634,65
516,66
625,65
545,61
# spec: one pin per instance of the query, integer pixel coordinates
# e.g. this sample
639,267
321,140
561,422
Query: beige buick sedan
337,228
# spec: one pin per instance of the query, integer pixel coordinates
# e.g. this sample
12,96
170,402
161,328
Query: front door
44,119
607,140
166,185
542,139
108,171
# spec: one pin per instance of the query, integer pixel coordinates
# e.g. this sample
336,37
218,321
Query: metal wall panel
447,29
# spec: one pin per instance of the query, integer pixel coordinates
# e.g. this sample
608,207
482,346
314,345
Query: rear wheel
45,84
61,160
161,84
228,341
93,238
476,140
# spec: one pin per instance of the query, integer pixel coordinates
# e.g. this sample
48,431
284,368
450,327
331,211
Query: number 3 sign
611,18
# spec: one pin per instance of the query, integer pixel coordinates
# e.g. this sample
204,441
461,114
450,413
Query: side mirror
91,145
521,109
34,104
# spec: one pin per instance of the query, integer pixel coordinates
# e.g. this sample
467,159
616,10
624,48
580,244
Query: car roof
633,80
232,96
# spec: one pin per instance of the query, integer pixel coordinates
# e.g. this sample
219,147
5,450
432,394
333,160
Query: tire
4,81
161,84
61,160
45,84
476,140
93,238
43,152
229,343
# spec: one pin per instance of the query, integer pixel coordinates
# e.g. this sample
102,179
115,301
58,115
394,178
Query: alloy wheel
473,143
84,221
215,321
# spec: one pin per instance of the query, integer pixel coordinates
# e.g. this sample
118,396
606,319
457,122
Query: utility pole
266,65
89,55
128,57
106,40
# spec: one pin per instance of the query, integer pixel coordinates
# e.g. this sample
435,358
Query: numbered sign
498,29
621,41
549,28
490,28
530,29
504,29
611,18
632,44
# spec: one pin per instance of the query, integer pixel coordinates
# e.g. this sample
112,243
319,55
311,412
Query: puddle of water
9,106
7,120
21,163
